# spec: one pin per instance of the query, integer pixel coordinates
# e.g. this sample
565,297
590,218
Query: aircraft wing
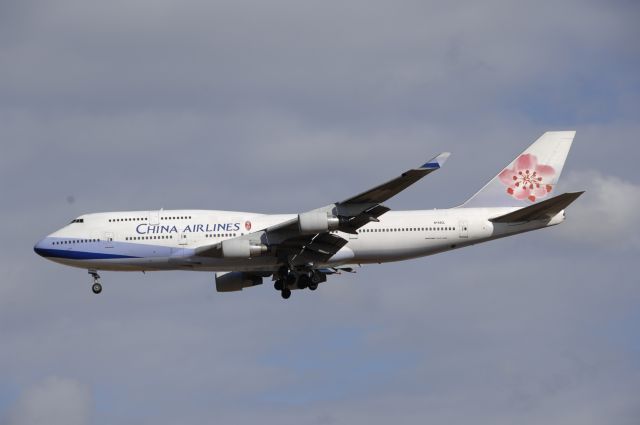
391,188
310,238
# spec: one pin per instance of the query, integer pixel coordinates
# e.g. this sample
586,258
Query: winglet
437,162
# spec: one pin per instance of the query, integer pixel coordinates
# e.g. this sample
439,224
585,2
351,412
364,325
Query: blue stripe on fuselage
77,255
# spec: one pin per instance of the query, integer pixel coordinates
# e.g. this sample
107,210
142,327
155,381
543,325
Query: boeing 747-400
299,251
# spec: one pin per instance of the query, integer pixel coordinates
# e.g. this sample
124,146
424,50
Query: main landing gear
96,287
286,280
284,283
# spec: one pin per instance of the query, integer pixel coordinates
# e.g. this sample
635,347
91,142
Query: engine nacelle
317,222
241,248
235,281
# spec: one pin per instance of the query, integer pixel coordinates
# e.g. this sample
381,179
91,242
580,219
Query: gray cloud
54,401
605,213
285,106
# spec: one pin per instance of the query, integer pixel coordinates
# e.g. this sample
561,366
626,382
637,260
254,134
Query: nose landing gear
96,287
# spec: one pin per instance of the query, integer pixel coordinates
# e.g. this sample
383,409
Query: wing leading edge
391,188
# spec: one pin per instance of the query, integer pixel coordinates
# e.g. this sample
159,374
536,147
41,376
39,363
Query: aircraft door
183,239
463,225
154,218
108,240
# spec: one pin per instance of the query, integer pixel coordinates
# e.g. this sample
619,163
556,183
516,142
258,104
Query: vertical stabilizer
531,177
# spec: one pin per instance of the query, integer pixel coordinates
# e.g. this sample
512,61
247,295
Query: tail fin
530,177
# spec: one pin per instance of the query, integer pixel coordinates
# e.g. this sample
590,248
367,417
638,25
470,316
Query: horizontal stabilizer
540,211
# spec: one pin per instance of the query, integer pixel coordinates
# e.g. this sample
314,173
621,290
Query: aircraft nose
39,247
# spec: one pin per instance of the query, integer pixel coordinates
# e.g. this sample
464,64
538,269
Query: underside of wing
311,249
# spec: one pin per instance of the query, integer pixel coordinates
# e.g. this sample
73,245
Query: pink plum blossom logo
527,179
247,225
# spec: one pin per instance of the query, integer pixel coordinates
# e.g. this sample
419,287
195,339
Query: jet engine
241,248
317,222
236,281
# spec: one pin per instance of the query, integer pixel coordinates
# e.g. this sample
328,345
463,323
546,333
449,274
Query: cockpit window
77,220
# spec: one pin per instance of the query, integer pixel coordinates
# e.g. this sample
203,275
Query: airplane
299,251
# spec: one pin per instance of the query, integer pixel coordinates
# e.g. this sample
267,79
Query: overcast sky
284,106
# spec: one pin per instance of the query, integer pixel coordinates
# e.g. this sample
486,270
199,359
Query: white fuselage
167,240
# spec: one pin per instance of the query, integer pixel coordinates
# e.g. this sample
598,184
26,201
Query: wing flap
352,224
317,249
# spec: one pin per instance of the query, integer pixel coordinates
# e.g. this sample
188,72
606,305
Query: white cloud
54,401
606,213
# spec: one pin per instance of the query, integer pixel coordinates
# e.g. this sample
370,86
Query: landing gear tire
286,293
278,285
96,287
313,286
